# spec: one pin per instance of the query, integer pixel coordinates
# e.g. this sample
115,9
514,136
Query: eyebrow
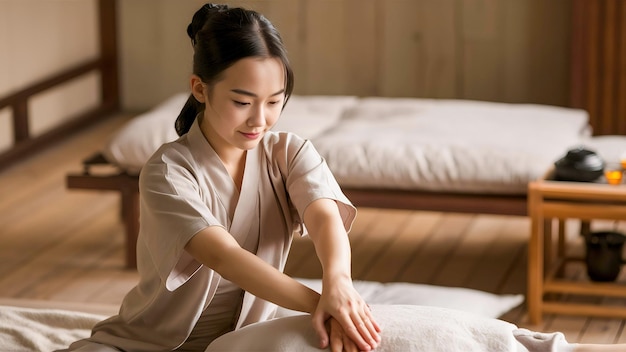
250,94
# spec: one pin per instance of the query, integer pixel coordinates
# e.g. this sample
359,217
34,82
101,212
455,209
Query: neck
233,159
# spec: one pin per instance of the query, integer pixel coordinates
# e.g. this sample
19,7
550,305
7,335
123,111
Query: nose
257,119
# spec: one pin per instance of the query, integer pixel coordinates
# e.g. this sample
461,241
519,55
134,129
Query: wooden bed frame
127,185
128,188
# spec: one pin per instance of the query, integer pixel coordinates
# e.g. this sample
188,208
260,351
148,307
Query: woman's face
243,105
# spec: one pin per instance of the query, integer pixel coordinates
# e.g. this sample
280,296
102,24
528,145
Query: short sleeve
309,179
172,212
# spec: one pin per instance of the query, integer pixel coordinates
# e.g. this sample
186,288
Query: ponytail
188,115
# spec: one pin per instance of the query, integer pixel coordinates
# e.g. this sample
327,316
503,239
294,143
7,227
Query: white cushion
404,328
132,145
611,148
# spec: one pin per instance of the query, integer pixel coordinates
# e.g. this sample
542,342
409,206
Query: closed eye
241,103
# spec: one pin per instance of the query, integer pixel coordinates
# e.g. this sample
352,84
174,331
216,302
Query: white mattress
401,143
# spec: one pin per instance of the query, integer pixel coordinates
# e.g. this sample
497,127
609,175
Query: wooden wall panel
621,84
438,49
339,48
325,48
362,27
515,23
599,63
549,53
481,40
496,50
400,39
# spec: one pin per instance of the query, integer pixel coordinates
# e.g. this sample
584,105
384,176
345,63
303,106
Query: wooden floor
58,245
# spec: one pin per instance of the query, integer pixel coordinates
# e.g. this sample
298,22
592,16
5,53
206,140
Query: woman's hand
339,299
344,306
339,341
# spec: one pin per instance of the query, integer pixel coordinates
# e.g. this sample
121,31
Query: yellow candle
613,177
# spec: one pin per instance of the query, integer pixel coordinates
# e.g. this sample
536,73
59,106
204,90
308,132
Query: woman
219,207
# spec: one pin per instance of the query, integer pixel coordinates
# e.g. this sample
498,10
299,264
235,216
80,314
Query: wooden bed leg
534,298
130,211
128,187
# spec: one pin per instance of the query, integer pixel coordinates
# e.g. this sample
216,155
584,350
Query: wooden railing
24,143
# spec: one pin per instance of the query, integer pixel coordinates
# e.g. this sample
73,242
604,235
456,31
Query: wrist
313,303
334,277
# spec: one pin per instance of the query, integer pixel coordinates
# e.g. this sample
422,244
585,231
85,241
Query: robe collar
239,204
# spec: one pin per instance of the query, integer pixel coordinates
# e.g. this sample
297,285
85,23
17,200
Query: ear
197,88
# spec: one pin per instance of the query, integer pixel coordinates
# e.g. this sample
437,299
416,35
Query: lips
251,135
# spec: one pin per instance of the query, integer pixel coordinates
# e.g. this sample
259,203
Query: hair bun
200,18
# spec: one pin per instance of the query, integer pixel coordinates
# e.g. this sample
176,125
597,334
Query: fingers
336,343
318,320
353,315
367,328
374,324
340,342
336,338
348,345
360,330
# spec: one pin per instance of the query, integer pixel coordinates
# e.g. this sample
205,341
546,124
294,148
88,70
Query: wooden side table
550,201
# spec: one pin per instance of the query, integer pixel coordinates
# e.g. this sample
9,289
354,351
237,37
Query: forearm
216,249
329,237
334,253
254,275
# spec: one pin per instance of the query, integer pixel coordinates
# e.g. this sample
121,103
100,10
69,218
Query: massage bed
402,153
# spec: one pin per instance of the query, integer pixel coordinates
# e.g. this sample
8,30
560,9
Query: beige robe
184,188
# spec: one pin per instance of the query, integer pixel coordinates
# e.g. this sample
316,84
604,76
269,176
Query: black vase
604,255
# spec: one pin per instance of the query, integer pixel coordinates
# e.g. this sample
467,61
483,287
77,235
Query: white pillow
612,149
404,328
132,145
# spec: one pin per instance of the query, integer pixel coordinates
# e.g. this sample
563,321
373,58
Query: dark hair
220,37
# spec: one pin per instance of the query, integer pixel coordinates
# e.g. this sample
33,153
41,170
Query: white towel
405,328
31,329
